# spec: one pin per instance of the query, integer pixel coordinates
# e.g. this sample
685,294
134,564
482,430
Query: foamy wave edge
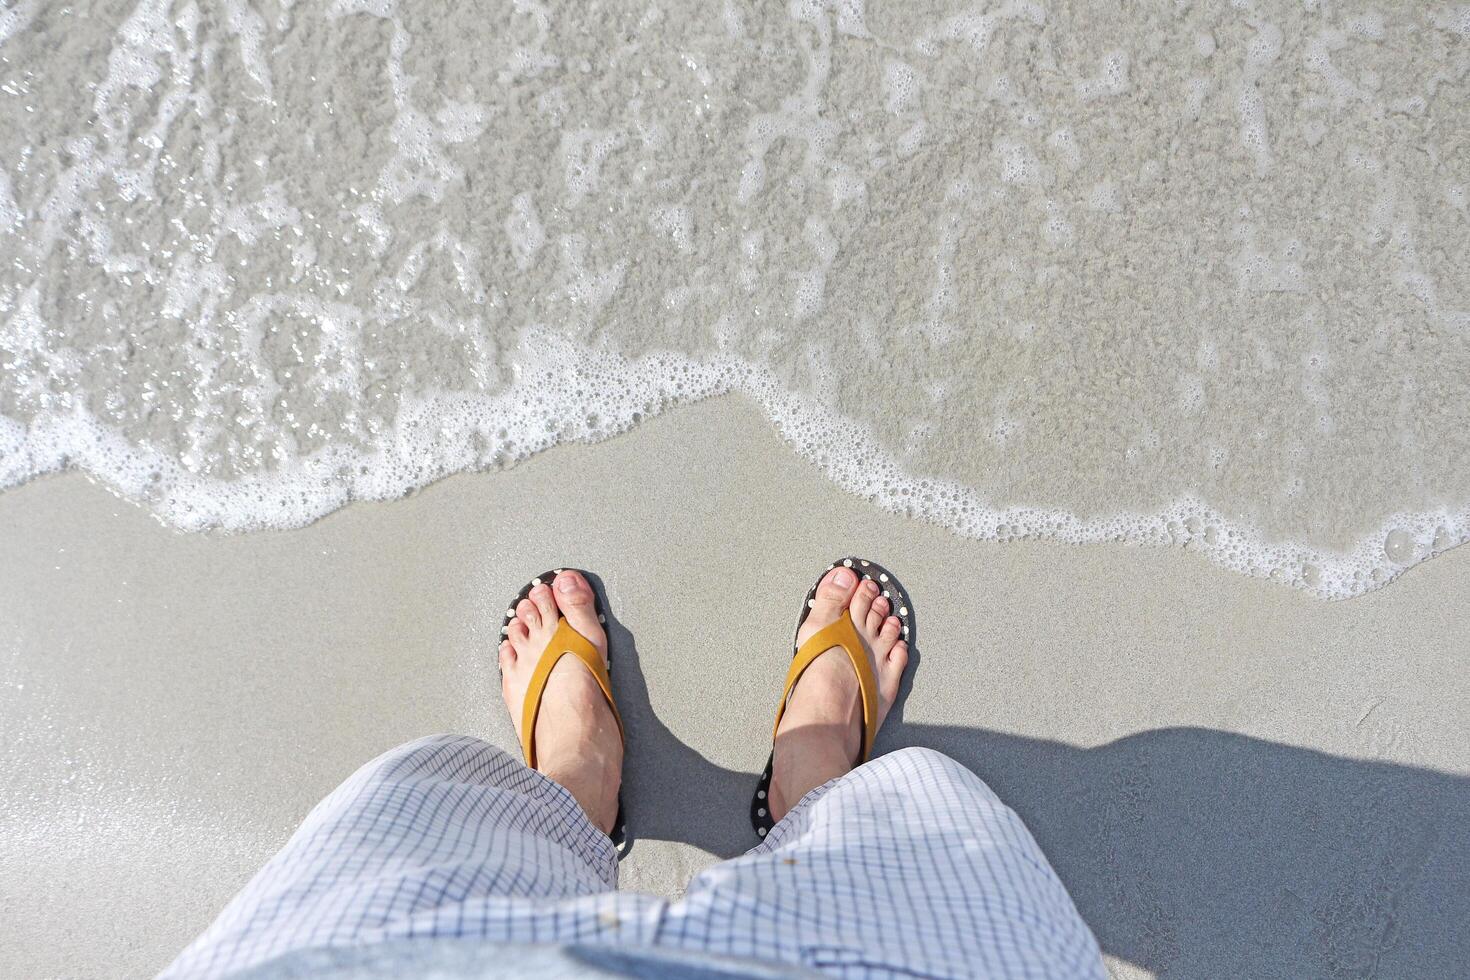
601,395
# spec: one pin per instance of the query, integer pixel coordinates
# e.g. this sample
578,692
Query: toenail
566,584
844,579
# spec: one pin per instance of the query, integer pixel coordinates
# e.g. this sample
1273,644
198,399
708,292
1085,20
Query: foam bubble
599,396
1111,80
1263,48
523,229
900,84
583,153
675,223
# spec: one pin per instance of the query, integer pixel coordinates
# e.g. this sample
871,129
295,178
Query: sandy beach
1151,312
1232,777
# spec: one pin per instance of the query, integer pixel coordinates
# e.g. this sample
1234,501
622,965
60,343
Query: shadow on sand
1191,852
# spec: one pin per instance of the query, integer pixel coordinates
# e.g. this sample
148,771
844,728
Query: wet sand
1233,777
1178,271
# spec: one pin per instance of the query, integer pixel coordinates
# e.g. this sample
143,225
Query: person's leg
578,741
908,864
821,730
450,836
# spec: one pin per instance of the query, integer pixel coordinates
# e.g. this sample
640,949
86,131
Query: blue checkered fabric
908,865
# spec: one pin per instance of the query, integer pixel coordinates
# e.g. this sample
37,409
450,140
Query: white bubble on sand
1400,546
1263,48
674,223
1104,197
900,85
1110,81
583,153
524,231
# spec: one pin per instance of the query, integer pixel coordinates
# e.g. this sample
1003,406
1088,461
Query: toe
527,613
518,635
890,672
577,603
874,622
876,615
888,635
507,655
545,603
862,601
834,592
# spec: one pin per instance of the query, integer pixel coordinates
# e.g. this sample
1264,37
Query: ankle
594,791
579,745
805,758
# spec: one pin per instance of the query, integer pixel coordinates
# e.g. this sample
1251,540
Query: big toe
834,592
577,603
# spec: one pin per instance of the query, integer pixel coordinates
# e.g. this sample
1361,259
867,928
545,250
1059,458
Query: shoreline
316,487
1229,775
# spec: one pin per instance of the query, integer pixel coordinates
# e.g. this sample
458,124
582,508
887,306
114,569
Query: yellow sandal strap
841,633
565,641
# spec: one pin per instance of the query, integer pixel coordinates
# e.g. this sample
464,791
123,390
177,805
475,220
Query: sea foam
1014,269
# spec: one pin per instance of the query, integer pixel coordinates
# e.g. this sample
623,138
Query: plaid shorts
908,865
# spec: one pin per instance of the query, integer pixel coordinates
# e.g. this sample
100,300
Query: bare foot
821,733
578,743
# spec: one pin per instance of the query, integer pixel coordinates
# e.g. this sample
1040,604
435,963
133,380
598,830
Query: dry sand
1232,777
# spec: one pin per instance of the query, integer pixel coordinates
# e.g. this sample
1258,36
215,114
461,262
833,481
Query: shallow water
1188,274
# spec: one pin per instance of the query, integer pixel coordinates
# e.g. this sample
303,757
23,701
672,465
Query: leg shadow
1200,853
1191,852
670,791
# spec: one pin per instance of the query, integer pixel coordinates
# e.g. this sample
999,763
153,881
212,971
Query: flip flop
840,633
566,641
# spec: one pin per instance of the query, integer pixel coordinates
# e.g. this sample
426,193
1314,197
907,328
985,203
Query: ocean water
1178,273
